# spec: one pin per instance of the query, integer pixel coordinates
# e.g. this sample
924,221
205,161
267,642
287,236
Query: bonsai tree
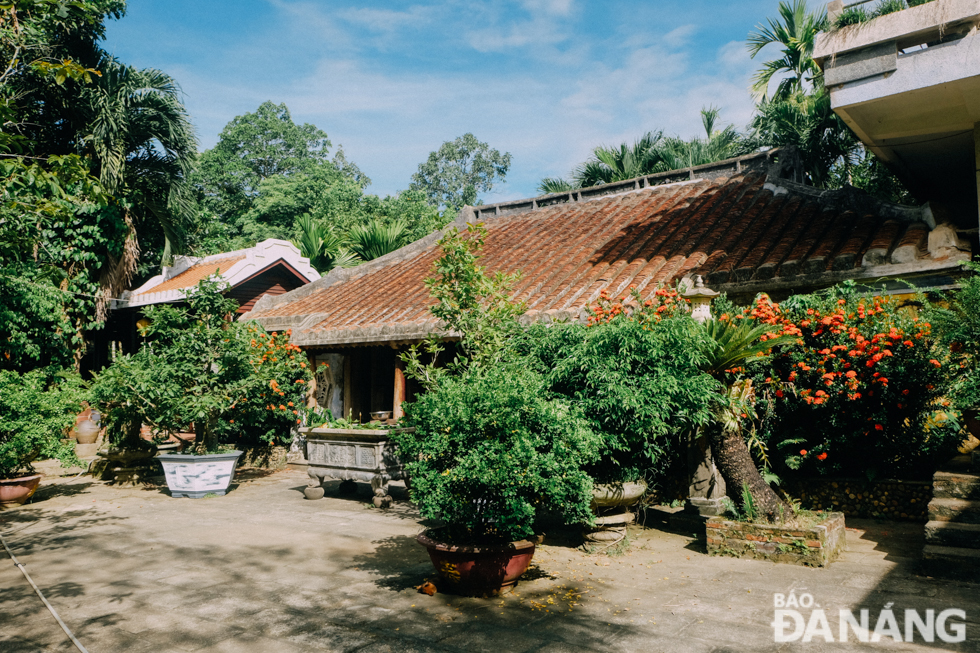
230,380
491,452
37,411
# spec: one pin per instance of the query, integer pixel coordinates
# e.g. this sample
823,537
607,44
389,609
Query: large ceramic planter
196,476
478,570
610,503
16,491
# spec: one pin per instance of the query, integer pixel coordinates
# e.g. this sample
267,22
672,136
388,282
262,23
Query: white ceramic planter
197,476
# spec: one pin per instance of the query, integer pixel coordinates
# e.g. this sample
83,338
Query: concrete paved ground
262,569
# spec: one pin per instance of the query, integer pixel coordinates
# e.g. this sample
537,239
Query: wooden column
399,397
348,387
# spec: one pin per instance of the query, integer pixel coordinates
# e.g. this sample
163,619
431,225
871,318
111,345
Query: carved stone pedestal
352,455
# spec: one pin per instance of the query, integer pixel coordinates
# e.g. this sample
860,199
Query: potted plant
636,376
489,456
233,382
37,409
490,453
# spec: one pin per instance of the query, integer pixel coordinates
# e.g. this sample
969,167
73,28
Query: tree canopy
454,175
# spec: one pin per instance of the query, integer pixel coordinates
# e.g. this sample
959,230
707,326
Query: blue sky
546,80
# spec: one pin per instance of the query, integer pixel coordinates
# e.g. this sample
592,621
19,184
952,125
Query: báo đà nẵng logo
798,618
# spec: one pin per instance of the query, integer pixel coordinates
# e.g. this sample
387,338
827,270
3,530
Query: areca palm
142,142
796,30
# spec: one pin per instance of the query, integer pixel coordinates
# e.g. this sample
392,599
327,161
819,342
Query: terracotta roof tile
731,230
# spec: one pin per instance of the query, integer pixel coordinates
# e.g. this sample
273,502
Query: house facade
272,267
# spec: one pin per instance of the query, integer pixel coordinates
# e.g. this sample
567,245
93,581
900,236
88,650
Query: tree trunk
738,469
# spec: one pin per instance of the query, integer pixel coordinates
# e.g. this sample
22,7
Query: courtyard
263,569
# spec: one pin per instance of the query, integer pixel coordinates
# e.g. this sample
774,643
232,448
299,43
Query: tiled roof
741,233
192,275
235,268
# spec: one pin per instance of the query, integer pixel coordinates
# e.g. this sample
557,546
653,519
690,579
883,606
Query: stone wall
265,457
888,499
817,546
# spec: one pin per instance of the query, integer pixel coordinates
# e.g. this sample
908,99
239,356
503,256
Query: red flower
822,456
879,427
934,362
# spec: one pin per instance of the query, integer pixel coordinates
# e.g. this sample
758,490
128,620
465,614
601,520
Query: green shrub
37,410
957,326
491,454
638,383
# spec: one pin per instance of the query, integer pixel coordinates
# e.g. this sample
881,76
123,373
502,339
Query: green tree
796,31
375,239
454,175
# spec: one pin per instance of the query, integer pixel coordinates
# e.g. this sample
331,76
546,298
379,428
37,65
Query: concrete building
908,84
744,225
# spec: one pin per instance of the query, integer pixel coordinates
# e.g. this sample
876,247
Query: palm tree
325,250
796,31
375,239
717,145
141,140
807,122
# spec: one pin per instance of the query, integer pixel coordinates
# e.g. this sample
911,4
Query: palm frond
375,239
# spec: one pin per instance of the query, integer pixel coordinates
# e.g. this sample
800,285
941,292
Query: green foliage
37,410
638,384
858,15
62,239
490,454
233,382
862,169
653,153
374,239
325,250
470,302
957,325
455,174
808,123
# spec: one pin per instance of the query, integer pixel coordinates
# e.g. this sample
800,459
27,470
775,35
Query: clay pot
614,495
485,570
86,432
16,491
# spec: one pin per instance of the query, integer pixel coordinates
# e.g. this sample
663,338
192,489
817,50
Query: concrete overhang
908,84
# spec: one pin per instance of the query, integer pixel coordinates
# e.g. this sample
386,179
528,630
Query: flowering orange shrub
862,391
268,406
665,302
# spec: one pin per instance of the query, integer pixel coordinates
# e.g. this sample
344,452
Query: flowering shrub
229,381
958,329
862,391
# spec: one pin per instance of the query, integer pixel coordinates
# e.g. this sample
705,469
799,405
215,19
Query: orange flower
802,452
935,362
290,404
822,456
851,374
281,407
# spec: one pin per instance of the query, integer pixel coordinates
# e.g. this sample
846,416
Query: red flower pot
479,570
15,491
